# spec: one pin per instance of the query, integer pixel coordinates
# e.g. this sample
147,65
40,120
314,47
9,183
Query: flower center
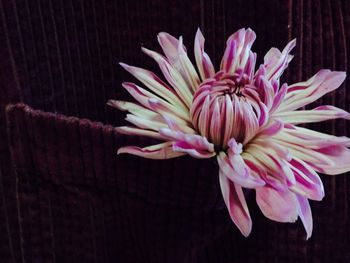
226,107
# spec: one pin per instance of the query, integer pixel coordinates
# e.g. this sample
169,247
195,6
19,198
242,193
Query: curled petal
204,64
278,99
158,151
250,65
195,145
170,45
238,51
276,62
273,128
264,115
235,170
308,183
236,204
182,146
305,214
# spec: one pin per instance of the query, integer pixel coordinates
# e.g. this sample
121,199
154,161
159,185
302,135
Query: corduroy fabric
60,56
79,203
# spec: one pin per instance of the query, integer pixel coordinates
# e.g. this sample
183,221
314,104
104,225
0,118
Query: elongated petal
278,99
236,204
143,97
305,215
139,132
195,145
276,62
173,77
187,67
204,118
236,171
273,128
170,45
135,109
215,124
311,139
182,146
321,113
238,51
155,84
162,109
158,151
308,183
339,160
229,115
325,153
204,64
277,204
303,93
143,123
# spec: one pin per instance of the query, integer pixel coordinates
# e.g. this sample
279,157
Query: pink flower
244,118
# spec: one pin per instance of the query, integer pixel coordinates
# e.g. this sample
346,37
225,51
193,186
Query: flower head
244,118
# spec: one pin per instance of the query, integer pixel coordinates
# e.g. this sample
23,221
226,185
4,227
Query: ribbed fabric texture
64,194
78,202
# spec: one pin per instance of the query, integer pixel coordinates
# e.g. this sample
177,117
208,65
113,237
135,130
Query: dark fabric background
64,194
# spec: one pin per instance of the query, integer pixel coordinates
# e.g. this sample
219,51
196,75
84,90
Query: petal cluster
244,118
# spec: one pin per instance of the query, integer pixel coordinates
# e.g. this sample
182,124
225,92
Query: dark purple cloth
64,194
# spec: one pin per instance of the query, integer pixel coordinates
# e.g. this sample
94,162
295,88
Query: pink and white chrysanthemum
244,118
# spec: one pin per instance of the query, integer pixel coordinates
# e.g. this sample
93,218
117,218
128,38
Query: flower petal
173,77
325,153
321,113
182,146
204,64
236,204
155,84
276,62
135,109
235,169
170,45
339,160
187,67
158,151
238,51
193,144
308,183
216,123
277,203
273,128
162,109
303,93
144,123
143,96
138,132
279,97
305,215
